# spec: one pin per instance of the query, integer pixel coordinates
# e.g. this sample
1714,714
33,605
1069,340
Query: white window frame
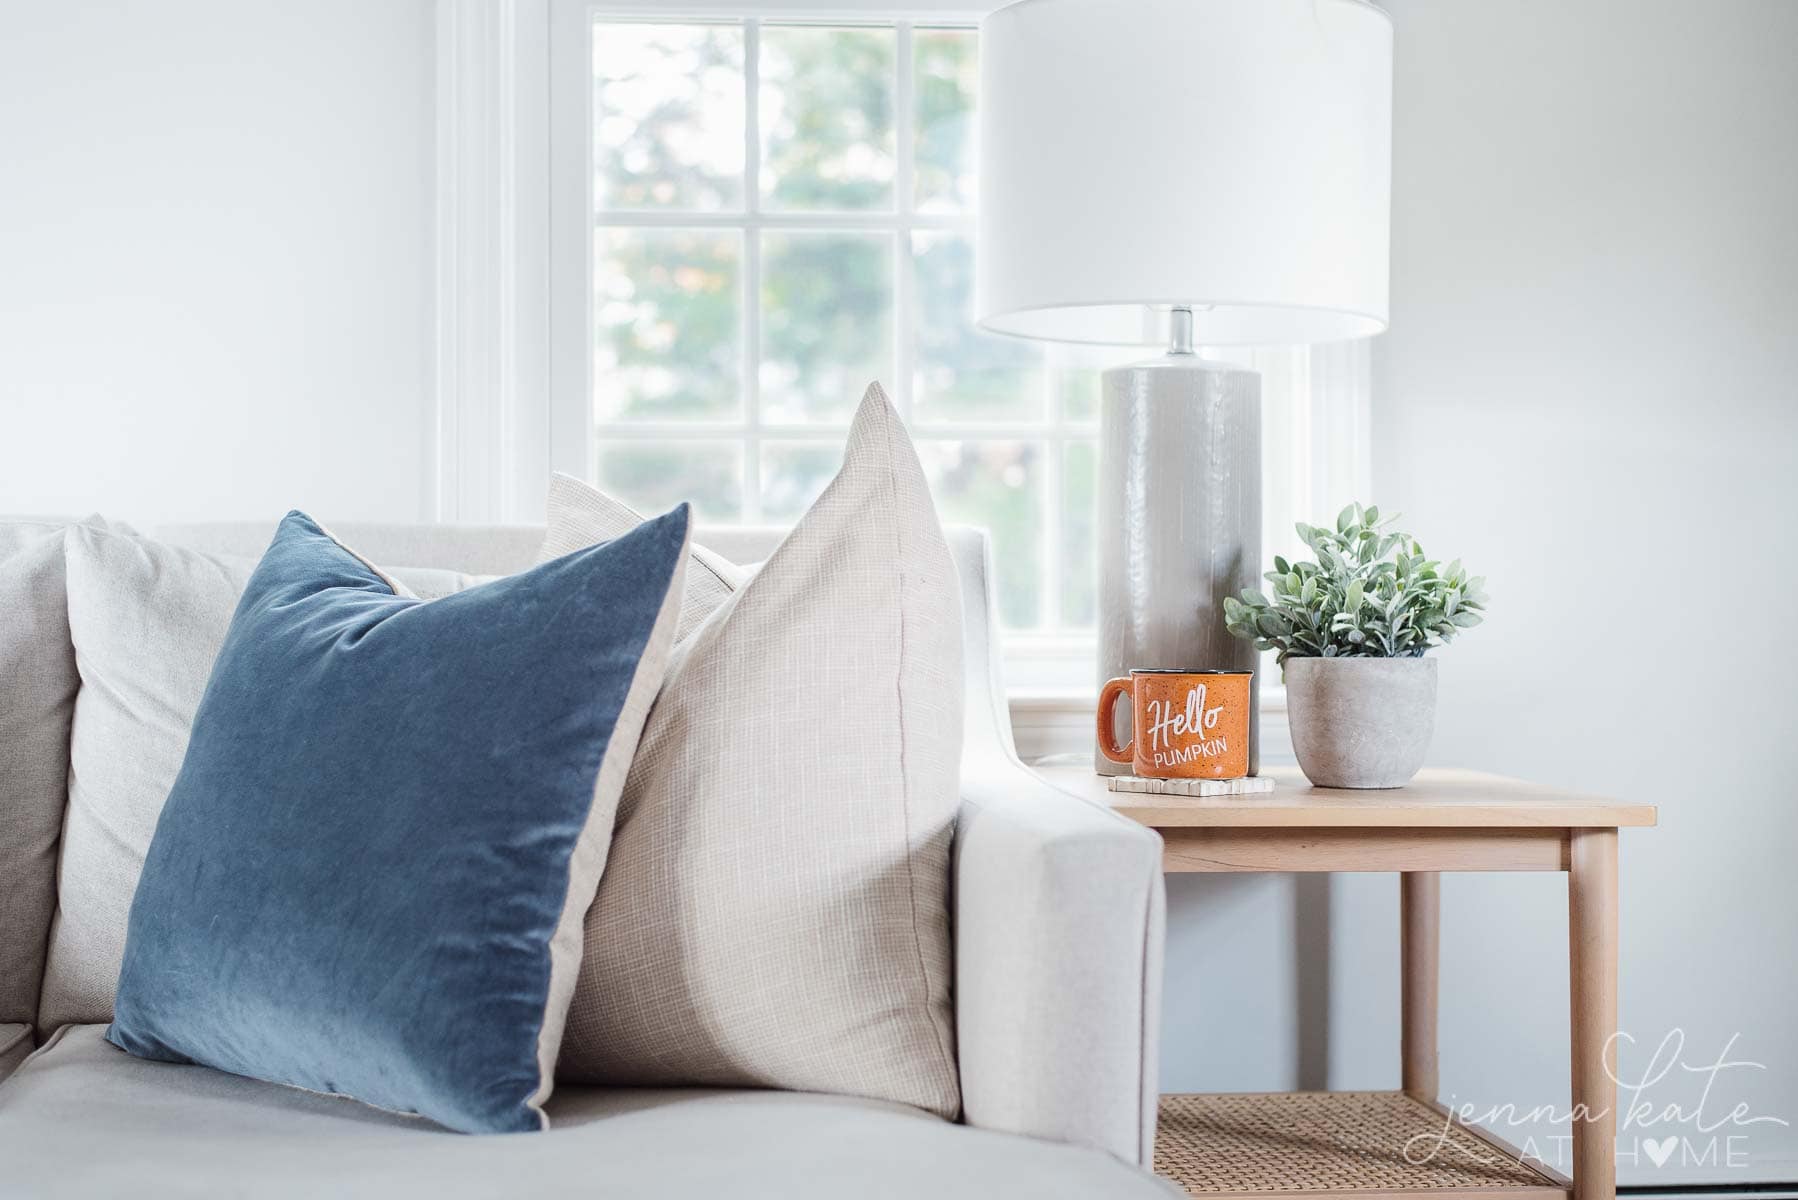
516,222
572,229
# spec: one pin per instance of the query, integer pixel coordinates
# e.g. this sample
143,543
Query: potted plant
1351,630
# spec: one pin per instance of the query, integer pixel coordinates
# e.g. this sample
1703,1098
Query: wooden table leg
1592,920
1420,940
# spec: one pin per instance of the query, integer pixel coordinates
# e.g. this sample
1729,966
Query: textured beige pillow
146,619
775,909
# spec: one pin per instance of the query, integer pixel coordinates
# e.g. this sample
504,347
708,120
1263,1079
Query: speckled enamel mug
1186,724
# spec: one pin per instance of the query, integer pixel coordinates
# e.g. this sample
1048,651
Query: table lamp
1182,173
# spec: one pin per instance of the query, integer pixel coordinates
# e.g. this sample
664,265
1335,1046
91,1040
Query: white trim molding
569,398
492,368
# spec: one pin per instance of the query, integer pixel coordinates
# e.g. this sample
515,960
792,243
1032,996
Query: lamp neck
1179,333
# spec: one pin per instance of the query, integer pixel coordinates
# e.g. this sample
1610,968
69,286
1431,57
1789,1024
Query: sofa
1057,924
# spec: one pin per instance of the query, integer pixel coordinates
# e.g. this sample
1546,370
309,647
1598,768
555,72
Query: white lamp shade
1234,156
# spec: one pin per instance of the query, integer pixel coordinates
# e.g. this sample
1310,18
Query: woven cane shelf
1315,1144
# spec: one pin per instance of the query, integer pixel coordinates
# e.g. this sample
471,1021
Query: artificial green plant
1370,594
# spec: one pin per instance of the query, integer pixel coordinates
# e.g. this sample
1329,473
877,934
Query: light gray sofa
1058,911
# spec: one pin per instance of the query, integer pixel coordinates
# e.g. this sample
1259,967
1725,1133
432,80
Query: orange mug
1185,724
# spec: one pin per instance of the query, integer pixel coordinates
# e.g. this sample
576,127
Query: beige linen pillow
146,619
775,909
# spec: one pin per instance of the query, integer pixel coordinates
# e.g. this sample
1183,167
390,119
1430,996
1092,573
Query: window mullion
902,204
1054,507
656,219
752,274
1053,450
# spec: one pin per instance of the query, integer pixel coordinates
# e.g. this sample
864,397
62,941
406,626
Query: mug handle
1108,696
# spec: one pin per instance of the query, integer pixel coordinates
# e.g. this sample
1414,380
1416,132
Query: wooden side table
1314,1144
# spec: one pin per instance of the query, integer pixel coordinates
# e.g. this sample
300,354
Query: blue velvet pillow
371,874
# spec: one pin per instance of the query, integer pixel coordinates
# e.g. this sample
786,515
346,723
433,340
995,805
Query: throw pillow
146,619
775,910
370,875
582,515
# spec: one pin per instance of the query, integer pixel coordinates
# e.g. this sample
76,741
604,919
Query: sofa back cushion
484,550
146,619
37,701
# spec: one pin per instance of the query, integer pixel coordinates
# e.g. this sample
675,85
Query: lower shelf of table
1318,1144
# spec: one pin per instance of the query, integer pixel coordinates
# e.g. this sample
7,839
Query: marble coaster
1191,787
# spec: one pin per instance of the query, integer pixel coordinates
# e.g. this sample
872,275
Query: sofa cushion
371,873
15,1047
146,619
775,910
18,532
83,1119
37,701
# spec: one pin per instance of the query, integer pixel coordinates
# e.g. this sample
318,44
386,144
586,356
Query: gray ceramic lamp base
1179,522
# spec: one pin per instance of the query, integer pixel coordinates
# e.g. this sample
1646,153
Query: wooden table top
1437,799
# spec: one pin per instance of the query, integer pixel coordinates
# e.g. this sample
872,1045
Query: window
779,211
783,213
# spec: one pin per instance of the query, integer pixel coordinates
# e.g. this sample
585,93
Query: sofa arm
1059,911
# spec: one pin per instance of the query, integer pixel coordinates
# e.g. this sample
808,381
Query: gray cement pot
1361,722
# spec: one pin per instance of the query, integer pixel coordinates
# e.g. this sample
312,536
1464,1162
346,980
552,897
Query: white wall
1590,392
216,257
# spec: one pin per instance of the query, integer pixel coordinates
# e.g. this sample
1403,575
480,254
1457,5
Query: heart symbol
1662,1150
